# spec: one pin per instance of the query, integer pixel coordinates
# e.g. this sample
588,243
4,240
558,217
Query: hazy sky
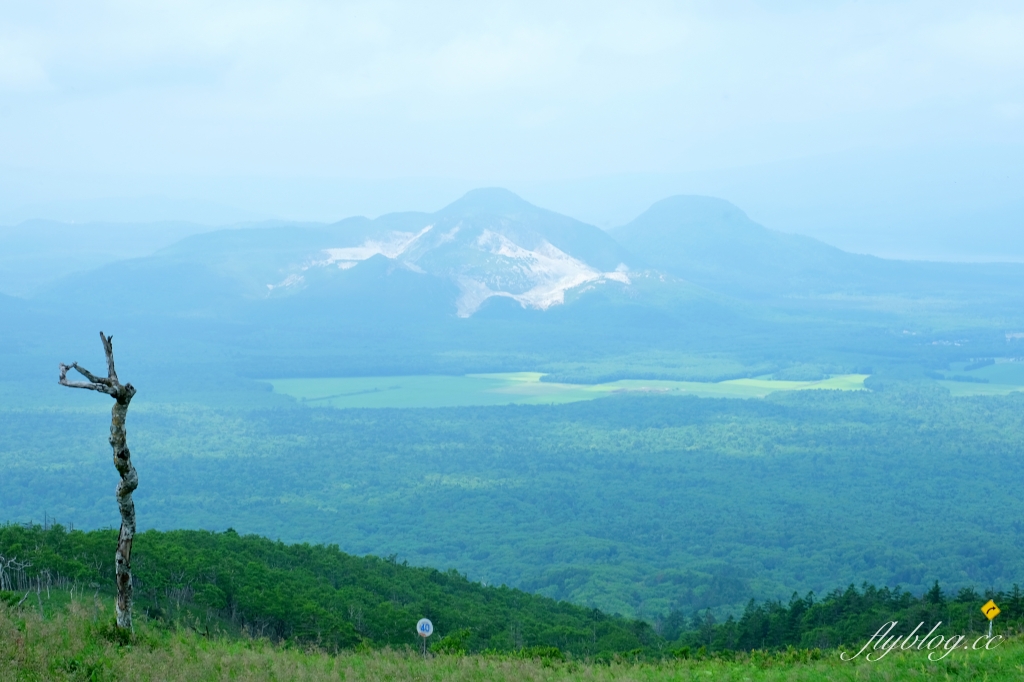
320,109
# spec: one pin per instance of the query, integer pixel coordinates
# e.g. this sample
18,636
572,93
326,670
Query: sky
894,128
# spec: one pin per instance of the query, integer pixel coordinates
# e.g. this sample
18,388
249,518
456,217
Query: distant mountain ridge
36,252
493,283
713,243
492,244
488,244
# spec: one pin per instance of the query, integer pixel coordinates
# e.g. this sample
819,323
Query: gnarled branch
109,384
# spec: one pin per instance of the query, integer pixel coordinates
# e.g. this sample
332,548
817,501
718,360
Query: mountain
714,244
488,244
35,253
492,245
493,283
488,283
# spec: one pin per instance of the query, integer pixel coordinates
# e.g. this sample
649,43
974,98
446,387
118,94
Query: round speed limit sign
424,628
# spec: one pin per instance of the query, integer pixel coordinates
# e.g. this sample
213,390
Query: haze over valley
667,335
238,332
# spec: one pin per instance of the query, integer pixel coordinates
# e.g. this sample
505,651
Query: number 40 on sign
424,628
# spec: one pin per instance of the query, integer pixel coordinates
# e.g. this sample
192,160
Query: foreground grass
78,643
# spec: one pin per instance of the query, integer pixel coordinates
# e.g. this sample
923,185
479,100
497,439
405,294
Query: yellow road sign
990,610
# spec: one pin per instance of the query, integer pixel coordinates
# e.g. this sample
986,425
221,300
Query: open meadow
524,388
76,641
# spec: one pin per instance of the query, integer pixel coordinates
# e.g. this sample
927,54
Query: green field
1003,376
76,642
523,388
960,389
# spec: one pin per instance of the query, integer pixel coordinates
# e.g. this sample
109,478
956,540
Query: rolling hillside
713,243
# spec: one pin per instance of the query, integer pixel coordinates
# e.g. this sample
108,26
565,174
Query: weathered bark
10,571
122,395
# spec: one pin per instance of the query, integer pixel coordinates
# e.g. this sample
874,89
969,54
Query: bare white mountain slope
489,243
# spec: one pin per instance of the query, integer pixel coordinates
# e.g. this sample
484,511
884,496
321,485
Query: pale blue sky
819,117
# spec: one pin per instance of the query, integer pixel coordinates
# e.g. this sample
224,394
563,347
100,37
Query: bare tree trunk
10,569
122,395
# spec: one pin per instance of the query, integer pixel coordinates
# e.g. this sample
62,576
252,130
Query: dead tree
122,395
10,570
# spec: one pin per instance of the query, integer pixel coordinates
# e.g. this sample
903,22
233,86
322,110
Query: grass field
524,388
960,389
77,642
1001,377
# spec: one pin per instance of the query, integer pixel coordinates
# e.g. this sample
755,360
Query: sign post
424,628
991,611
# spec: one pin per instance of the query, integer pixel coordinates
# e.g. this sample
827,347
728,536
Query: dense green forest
842,618
316,594
636,505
